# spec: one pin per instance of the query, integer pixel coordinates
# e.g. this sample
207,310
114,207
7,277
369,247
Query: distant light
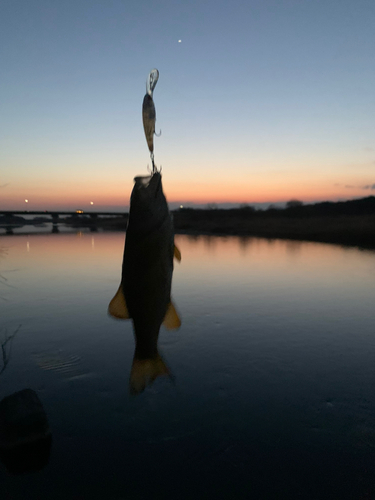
181,206
91,202
26,201
179,41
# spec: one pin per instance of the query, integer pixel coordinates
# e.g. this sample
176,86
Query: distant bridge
57,213
10,219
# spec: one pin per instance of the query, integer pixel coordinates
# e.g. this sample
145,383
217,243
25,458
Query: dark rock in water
25,437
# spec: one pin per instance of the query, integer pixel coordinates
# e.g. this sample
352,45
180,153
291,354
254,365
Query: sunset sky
258,101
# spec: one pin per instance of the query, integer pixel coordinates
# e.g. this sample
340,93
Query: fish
144,294
148,109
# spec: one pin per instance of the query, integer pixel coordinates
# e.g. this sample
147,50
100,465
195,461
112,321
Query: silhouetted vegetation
294,203
350,222
12,219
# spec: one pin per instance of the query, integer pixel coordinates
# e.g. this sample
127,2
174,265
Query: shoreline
356,231
347,230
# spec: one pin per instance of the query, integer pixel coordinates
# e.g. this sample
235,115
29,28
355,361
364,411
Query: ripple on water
68,365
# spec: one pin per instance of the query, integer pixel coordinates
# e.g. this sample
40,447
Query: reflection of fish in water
148,109
144,292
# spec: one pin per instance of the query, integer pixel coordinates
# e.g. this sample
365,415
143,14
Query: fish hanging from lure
149,113
144,294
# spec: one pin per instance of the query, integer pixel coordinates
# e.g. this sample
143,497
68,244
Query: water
274,366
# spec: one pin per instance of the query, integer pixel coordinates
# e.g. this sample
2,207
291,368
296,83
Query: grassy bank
356,230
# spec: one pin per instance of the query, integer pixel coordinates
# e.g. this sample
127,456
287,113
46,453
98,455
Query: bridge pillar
55,219
93,222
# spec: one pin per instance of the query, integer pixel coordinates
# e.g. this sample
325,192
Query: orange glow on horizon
260,188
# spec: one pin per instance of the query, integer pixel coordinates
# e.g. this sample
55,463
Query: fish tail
145,371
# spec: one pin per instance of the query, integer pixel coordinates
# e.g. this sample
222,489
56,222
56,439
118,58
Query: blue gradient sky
262,101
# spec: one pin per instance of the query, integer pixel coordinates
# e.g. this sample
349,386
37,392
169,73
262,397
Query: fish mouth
148,206
142,182
149,184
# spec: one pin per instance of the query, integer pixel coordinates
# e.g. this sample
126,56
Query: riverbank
353,230
357,230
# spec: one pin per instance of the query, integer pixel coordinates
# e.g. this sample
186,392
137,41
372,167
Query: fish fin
145,371
171,318
177,254
117,307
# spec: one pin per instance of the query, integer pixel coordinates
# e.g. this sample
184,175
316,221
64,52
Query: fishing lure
149,113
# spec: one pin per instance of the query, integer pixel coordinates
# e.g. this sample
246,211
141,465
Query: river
274,366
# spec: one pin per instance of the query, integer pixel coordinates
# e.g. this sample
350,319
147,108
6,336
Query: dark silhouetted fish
144,294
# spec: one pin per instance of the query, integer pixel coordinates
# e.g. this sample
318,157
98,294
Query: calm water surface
274,371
